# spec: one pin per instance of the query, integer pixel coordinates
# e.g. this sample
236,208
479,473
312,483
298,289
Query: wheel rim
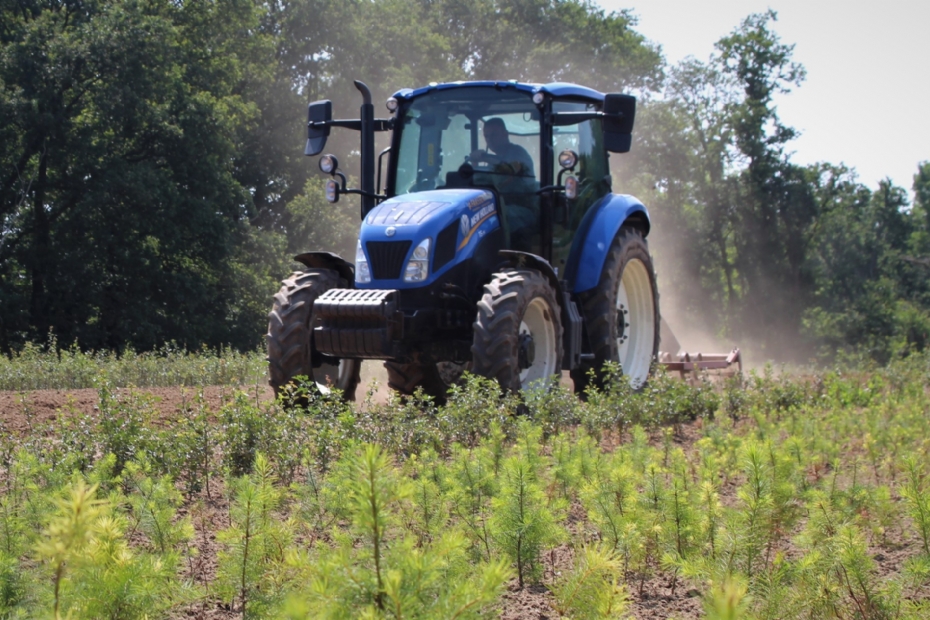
635,322
450,372
329,376
538,324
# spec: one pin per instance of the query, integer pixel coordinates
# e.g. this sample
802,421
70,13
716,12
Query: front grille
445,245
387,258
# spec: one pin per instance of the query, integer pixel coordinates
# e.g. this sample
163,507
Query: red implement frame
689,363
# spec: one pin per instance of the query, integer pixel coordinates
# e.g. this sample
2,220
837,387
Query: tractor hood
450,221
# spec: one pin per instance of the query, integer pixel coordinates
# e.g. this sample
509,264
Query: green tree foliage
122,217
153,186
152,182
799,260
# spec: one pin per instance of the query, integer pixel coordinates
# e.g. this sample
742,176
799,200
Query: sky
866,100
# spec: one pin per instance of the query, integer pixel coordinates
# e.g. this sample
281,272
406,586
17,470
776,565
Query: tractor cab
504,138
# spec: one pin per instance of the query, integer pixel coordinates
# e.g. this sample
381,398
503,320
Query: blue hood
408,219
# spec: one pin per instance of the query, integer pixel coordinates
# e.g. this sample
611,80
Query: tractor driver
516,181
517,161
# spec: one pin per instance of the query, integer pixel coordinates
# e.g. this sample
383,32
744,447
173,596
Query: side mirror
319,113
619,114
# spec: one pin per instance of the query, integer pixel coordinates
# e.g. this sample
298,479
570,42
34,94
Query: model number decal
479,200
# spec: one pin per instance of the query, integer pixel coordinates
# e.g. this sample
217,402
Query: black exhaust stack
367,114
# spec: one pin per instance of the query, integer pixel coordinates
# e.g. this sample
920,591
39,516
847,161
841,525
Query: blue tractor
495,244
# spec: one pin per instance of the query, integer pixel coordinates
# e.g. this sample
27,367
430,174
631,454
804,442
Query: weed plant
782,497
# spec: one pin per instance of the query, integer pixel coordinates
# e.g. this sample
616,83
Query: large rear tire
290,336
518,331
622,314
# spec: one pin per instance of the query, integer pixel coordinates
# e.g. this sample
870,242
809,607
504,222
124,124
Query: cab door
586,139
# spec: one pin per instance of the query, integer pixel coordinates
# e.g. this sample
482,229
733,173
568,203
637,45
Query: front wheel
621,315
290,337
518,331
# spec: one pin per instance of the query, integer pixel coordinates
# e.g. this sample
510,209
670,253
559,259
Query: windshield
444,129
476,137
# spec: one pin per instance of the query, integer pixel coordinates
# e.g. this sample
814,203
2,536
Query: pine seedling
564,470
427,512
755,496
853,569
254,542
681,517
521,522
439,581
13,585
420,583
916,494
242,426
374,490
611,501
592,589
15,530
529,447
472,483
710,511
496,445
639,449
318,503
112,582
194,440
154,508
728,601
69,533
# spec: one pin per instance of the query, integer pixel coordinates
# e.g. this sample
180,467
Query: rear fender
328,260
595,234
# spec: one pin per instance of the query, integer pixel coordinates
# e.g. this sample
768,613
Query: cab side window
592,172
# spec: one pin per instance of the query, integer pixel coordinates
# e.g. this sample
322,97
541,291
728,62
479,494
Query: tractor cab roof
555,89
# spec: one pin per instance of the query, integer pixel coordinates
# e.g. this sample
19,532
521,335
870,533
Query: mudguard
328,260
596,233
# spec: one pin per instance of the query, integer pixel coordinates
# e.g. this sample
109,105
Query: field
196,495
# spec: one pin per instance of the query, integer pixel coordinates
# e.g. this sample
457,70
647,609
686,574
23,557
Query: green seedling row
43,367
776,496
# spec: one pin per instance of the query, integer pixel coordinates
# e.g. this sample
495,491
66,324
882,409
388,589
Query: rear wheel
622,314
290,337
518,331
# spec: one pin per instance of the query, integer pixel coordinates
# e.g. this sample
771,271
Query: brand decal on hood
474,222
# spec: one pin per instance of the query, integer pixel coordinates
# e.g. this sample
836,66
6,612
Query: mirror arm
363,193
380,124
551,188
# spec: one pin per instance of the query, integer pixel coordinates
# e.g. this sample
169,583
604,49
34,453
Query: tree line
153,187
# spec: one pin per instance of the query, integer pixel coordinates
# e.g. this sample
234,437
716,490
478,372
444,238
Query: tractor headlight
571,188
331,190
417,269
329,164
362,272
